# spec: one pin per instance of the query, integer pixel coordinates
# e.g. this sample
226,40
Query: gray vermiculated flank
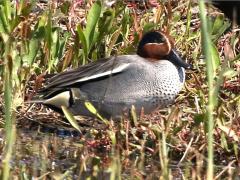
143,84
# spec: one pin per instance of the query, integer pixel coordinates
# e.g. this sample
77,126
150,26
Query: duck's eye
163,39
160,38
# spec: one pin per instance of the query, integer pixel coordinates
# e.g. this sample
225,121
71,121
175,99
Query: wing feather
94,70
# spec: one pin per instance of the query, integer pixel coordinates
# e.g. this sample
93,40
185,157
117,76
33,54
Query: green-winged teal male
148,80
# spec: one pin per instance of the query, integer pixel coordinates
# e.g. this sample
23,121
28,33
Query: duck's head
158,45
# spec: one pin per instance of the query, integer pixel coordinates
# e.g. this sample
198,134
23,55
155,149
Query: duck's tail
37,101
38,98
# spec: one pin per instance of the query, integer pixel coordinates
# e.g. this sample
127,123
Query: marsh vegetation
195,138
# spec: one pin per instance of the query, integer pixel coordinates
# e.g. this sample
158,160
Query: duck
147,80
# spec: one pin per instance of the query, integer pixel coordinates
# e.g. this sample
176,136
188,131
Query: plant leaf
32,52
215,59
94,111
92,20
83,40
70,118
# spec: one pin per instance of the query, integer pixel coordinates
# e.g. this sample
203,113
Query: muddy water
52,153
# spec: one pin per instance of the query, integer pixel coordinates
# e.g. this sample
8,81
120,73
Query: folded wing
100,69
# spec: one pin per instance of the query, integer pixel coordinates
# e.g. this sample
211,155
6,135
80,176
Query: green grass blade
83,40
8,110
33,48
7,8
94,111
92,20
70,118
4,26
212,94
